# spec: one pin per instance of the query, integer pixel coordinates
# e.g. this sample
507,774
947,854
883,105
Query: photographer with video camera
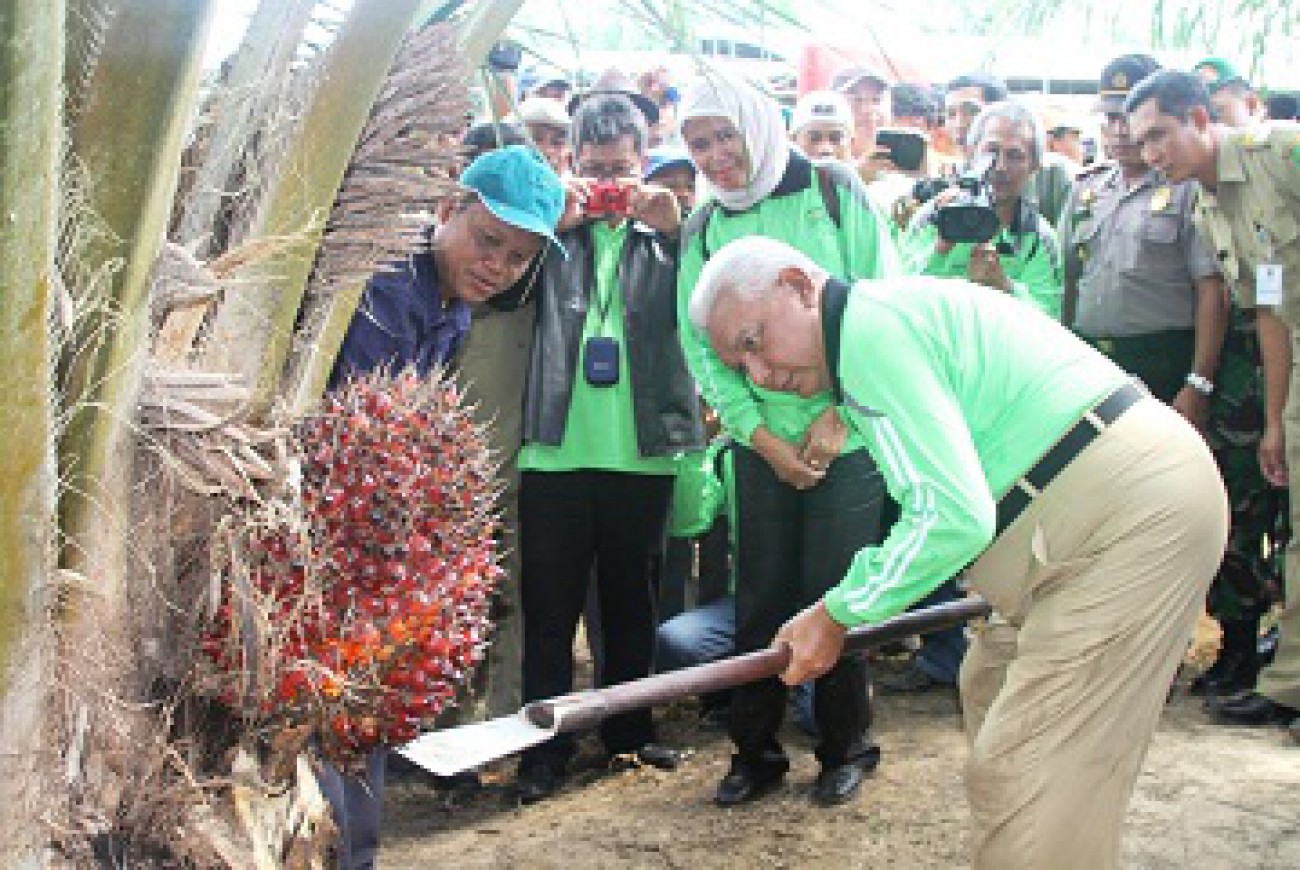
983,226
609,403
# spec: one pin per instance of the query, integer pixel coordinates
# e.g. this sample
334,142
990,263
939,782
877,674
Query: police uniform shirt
1134,252
1252,218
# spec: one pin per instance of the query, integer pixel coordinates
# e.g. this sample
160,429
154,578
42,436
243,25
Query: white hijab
761,126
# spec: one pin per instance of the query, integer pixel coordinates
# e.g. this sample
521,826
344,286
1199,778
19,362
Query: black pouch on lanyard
600,361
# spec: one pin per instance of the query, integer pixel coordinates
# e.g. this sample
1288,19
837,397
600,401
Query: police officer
1140,285
1248,211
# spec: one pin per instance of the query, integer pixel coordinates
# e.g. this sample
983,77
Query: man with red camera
608,404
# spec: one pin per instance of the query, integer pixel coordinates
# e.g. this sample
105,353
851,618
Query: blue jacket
402,320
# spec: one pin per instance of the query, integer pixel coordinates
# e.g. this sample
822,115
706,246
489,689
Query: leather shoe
837,785
745,782
909,682
654,755
1255,709
537,783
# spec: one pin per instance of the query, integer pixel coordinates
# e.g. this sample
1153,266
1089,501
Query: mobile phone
906,148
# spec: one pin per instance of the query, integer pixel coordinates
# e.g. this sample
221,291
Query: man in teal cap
1235,102
417,313
1089,515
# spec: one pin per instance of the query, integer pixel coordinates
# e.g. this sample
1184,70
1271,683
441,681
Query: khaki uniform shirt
1134,253
1253,217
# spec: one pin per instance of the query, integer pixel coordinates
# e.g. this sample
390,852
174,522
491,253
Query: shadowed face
718,150
824,140
1012,146
774,339
478,254
1179,149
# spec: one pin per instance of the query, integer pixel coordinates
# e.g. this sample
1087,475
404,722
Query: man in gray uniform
1139,283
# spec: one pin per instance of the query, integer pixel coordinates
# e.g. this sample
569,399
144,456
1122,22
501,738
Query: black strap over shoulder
825,186
835,298
830,198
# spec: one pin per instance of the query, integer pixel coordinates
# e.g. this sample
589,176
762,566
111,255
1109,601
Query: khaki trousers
1097,587
494,367
1280,681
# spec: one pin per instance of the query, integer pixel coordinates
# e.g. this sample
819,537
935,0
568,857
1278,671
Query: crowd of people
910,342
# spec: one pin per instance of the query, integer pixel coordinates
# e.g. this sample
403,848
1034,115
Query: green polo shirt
600,431
1033,264
957,393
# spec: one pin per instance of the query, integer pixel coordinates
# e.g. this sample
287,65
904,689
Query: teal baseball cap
517,185
1218,73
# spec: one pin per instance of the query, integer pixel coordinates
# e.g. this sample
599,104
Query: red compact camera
607,198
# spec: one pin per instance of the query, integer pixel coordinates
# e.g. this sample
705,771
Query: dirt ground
1209,797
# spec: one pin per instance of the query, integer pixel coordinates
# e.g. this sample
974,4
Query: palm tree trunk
128,135
31,69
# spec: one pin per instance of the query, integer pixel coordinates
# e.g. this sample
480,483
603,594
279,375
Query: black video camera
970,216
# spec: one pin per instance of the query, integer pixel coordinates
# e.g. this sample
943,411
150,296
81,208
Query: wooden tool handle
584,709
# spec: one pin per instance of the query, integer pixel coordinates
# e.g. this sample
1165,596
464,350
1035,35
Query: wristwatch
1201,384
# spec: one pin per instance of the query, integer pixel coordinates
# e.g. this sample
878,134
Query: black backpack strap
835,298
830,197
702,218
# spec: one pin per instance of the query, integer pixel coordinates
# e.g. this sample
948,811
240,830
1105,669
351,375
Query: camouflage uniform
1240,591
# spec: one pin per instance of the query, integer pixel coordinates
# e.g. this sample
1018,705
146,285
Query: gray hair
747,268
1018,114
604,117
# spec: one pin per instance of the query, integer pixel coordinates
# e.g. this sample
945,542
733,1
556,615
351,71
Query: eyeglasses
616,169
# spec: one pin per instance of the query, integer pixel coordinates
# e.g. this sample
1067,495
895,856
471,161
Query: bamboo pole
31,70
253,329
138,104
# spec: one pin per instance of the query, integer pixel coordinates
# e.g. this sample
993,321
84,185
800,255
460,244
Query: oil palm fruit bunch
358,607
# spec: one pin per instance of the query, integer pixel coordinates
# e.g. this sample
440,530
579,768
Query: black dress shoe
537,783
1255,710
746,782
912,681
654,755
838,785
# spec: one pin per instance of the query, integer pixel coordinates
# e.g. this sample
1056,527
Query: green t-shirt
600,430
1033,265
957,393
860,247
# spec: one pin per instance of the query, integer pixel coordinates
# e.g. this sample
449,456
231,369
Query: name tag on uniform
1268,284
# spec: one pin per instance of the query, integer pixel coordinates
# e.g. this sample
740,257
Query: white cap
542,110
826,106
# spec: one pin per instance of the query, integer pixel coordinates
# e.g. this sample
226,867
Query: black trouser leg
841,515
792,547
557,528
631,518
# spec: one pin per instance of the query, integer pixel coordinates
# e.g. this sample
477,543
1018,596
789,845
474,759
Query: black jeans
792,547
568,520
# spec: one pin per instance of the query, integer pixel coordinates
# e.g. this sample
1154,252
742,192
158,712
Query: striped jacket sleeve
917,433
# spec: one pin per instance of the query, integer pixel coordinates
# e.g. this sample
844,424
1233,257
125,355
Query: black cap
914,101
489,136
1119,77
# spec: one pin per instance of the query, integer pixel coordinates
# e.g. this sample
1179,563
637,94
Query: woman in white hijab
808,495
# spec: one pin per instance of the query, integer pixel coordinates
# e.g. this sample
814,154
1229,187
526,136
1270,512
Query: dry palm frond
404,163
194,423
401,165
87,23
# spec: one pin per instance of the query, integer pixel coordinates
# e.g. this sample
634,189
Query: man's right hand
784,458
1272,455
575,197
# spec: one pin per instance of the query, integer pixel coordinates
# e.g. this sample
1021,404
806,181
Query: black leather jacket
665,406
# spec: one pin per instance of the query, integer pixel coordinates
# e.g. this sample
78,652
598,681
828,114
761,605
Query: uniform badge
1086,199
1160,199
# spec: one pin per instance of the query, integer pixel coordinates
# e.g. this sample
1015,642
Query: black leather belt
1081,434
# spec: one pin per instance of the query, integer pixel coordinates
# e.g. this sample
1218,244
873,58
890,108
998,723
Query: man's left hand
654,206
824,439
1194,405
986,268
816,642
